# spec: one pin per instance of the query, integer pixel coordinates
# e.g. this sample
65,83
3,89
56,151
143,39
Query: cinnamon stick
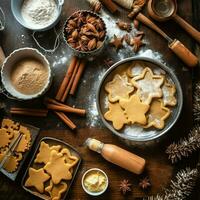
110,5
64,108
66,120
70,82
29,112
66,78
77,77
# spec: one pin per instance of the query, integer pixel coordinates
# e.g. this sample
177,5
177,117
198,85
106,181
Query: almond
92,44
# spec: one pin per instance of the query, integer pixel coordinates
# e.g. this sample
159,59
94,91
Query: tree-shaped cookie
169,91
148,85
56,191
116,115
135,109
57,168
157,114
118,88
36,179
44,152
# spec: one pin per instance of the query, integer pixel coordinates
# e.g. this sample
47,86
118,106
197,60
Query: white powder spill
93,118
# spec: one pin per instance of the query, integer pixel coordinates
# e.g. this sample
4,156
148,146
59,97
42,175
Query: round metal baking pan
134,134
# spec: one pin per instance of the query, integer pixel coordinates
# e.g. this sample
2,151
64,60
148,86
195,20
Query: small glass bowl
94,193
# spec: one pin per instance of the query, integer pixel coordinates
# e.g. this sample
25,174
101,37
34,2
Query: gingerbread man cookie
57,167
148,85
157,114
118,88
56,191
116,115
36,179
135,109
44,152
169,91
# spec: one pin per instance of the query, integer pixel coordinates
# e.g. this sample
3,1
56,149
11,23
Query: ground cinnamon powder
29,76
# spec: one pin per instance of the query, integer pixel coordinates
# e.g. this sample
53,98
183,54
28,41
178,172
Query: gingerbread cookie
157,114
56,191
169,91
135,69
118,88
4,138
135,109
36,179
68,157
116,115
57,168
44,153
148,85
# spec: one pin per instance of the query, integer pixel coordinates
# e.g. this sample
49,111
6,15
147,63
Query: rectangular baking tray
34,133
51,141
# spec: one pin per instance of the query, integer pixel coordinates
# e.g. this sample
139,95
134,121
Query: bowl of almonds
85,33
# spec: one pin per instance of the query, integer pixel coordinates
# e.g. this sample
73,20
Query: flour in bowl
39,14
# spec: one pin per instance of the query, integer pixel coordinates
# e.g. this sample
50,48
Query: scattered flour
93,118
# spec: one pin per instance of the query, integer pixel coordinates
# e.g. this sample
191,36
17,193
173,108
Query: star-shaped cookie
116,115
117,42
56,191
57,167
136,68
135,109
36,179
44,152
157,114
118,88
169,91
148,85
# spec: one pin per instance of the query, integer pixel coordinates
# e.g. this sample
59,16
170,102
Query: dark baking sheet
34,133
51,142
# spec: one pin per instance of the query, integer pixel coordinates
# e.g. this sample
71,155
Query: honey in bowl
29,76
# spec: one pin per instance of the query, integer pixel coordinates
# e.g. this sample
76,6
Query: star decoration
145,183
116,115
117,42
125,186
136,42
148,85
135,109
36,179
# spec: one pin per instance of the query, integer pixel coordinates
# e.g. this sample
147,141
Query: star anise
125,186
136,42
145,183
109,62
117,42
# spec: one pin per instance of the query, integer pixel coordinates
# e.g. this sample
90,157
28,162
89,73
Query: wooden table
159,169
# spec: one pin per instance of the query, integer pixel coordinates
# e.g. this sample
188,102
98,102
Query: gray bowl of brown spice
26,74
85,33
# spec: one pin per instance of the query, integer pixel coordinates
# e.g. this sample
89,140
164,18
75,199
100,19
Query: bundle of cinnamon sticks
71,79
68,86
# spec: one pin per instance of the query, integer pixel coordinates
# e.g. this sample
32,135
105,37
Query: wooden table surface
158,168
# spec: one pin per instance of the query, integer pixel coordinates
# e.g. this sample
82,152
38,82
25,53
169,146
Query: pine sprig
184,147
181,187
196,102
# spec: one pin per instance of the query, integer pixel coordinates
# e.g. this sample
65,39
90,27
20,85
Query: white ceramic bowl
16,10
94,193
8,65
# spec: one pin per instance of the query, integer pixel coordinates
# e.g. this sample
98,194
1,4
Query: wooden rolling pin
117,155
176,46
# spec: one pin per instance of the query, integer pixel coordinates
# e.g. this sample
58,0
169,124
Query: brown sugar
29,76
